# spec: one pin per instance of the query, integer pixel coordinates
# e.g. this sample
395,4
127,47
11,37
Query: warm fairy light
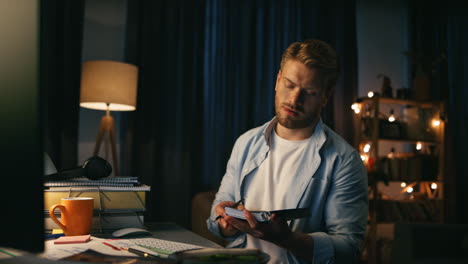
391,118
409,190
370,94
403,184
418,146
435,122
363,157
356,108
366,148
433,186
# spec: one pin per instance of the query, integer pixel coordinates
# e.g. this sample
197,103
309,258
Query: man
296,161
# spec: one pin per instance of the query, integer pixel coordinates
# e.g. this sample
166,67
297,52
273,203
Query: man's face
298,99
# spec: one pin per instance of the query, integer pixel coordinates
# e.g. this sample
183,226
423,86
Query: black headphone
93,168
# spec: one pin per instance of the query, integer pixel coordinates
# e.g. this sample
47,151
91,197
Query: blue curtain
165,131
244,41
61,38
207,75
439,35
457,117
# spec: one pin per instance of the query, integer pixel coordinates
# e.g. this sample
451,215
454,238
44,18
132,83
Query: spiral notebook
109,181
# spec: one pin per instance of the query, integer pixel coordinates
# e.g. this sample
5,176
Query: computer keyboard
162,246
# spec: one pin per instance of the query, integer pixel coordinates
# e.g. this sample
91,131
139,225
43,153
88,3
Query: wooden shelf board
408,141
386,100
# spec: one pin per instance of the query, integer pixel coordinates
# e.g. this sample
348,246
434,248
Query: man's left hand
276,230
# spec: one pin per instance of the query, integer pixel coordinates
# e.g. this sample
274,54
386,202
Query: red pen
112,246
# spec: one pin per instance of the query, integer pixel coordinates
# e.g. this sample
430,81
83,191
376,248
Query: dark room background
207,71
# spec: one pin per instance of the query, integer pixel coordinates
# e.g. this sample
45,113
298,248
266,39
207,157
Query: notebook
264,216
83,181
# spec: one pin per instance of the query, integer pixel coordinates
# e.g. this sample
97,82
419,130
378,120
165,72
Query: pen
241,201
112,246
141,253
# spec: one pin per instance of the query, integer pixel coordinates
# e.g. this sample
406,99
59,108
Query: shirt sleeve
345,215
229,190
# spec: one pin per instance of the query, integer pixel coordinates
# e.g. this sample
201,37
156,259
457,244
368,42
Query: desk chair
201,207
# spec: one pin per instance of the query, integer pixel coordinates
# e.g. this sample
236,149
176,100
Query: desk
173,232
166,231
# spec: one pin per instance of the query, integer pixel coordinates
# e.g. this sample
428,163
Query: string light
366,148
410,190
363,157
433,186
435,122
391,118
403,184
418,146
356,108
370,94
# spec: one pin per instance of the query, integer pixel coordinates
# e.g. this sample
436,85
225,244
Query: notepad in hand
264,216
72,239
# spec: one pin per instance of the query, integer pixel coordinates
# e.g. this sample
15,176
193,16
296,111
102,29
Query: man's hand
276,230
226,228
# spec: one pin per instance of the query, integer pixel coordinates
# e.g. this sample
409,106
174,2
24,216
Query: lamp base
107,130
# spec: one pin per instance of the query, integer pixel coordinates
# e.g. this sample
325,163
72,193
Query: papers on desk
61,251
115,247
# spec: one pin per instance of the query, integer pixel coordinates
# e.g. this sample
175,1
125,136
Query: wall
382,36
103,39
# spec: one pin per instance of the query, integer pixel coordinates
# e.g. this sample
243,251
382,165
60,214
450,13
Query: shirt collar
318,137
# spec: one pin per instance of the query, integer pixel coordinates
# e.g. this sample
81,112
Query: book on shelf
119,202
105,197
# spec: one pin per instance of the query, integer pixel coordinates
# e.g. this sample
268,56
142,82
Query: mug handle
54,218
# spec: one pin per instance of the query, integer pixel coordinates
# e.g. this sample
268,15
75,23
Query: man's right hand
225,228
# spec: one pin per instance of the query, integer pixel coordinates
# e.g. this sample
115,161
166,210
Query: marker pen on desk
142,254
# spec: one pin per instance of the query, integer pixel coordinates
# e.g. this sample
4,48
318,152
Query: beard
290,122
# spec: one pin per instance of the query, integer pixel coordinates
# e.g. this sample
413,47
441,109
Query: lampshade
109,82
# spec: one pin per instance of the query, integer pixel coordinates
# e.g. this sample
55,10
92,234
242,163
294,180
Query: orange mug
76,215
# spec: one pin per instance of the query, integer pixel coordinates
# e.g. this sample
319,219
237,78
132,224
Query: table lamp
110,86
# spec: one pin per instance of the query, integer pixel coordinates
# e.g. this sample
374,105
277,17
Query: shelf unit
417,131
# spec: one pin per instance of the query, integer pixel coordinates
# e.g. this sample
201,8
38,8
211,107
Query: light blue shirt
333,185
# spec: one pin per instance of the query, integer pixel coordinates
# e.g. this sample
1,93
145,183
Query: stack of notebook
119,202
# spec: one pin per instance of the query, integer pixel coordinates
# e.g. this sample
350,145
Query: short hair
315,54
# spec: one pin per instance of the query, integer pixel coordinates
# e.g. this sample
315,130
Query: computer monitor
21,171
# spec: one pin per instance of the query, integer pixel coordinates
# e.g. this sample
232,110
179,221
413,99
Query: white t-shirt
270,183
